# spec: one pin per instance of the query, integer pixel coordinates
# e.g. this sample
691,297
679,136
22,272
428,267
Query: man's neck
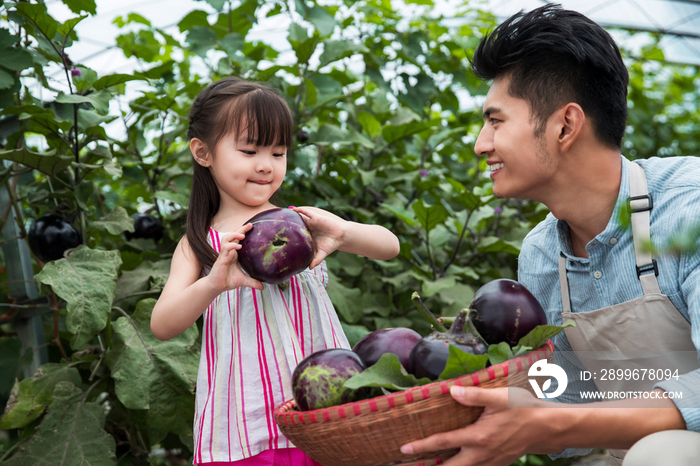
589,190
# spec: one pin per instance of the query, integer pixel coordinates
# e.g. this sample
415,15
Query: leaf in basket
540,334
387,373
460,363
499,353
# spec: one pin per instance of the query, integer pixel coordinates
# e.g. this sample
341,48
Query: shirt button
613,240
598,274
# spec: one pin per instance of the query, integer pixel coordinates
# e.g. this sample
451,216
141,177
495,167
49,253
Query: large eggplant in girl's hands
317,382
399,341
504,310
278,246
429,356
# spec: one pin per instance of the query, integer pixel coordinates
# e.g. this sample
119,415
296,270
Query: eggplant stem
415,297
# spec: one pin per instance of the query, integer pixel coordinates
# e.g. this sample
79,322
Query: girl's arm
186,296
332,233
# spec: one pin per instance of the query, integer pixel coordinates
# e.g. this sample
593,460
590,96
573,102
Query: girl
254,334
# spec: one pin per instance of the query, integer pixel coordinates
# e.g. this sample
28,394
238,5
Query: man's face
521,164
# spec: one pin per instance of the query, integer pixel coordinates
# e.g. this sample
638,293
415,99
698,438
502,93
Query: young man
555,117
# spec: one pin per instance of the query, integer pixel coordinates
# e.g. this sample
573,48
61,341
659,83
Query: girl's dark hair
229,106
554,56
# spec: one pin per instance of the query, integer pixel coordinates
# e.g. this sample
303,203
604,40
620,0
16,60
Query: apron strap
640,203
564,284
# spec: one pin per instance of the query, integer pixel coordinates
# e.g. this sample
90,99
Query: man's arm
514,422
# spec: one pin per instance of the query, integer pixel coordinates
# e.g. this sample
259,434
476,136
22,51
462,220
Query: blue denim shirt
674,184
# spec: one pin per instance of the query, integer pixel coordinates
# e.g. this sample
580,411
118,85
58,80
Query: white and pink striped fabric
252,341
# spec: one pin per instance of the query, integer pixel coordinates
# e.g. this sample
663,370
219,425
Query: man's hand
327,229
504,432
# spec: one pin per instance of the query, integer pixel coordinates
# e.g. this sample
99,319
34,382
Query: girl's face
245,173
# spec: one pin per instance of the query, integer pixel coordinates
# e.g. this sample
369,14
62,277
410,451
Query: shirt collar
614,229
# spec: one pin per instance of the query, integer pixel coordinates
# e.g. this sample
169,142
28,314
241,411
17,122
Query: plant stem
415,297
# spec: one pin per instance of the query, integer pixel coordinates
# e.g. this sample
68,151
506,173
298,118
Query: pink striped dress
252,340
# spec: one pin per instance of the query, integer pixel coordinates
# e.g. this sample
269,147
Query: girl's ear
200,152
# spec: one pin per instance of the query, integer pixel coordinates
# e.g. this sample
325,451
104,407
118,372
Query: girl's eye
248,152
278,155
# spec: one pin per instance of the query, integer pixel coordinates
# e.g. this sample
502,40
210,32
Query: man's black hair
554,56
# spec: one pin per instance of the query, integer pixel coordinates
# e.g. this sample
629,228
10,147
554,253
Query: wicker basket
371,432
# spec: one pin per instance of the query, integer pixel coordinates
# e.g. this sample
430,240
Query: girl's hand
226,273
327,229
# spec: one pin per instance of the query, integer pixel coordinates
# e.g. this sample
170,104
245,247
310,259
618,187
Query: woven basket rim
286,415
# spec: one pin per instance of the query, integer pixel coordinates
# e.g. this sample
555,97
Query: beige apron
649,323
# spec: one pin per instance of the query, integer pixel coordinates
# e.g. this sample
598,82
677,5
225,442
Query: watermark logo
543,368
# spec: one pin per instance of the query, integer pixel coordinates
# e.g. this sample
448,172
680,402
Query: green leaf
354,333
322,20
68,26
460,363
332,134
466,198
99,100
539,335
429,216
387,373
369,124
72,433
431,288
48,162
180,199
36,15
232,43
114,79
407,216
334,50
12,362
15,59
193,18
201,39
86,279
345,300
494,244
499,353
394,133
143,277
30,397
77,6
6,80
159,376
116,222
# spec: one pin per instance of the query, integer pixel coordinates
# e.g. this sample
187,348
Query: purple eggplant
399,341
429,356
504,310
278,246
317,382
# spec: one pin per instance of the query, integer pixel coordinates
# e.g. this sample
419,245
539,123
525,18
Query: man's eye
493,121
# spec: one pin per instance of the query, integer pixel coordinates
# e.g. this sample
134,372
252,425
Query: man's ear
200,152
571,120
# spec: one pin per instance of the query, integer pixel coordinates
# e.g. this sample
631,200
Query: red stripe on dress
240,367
294,347
335,340
279,377
296,300
230,375
262,364
215,356
311,328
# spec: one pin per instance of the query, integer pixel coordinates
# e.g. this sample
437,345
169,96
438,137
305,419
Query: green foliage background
390,144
